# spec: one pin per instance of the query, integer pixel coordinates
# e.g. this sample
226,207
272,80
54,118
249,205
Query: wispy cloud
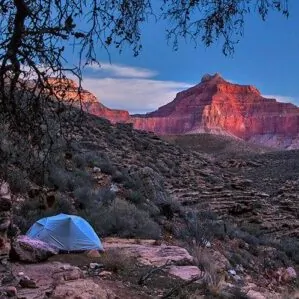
134,95
281,98
118,70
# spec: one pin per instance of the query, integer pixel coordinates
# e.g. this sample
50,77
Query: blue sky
267,57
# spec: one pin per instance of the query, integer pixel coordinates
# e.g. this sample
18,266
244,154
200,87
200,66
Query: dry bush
116,261
123,219
204,260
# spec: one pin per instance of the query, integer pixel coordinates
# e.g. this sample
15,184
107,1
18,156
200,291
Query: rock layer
213,106
217,106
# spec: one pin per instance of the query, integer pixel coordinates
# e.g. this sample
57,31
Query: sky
267,57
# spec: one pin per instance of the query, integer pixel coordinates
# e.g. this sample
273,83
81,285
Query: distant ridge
213,106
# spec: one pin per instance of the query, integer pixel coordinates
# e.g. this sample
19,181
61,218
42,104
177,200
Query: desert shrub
122,219
132,182
61,205
237,293
235,258
235,232
205,261
200,227
91,159
118,177
33,209
291,248
79,161
65,180
253,229
135,197
106,167
57,178
104,196
83,197
116,261
17,181
169,207
78,178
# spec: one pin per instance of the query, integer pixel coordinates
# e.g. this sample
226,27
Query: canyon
213,106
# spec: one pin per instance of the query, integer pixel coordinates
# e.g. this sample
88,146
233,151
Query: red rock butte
219,107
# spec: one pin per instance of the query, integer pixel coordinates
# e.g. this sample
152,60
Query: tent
65,232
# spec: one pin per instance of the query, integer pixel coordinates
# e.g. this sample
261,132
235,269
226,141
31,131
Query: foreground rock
149,253
185,272
25,249
57,280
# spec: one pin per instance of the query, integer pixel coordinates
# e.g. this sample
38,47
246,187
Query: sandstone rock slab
29,250
185,272
149,254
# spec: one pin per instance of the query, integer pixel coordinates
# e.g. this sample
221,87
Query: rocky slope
129,183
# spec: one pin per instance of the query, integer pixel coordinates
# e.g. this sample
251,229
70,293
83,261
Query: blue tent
65,232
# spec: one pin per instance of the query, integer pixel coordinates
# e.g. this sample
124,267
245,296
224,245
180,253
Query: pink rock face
68,91
217,106
212,106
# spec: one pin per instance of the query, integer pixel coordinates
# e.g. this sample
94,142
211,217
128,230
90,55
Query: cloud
135,95
281,98
118,70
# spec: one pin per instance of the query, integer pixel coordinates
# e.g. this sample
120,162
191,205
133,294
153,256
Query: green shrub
122,219
104,196
17,181
83,197
118,177
91,159
135,197
79,161
78,179
65,180
33,209
291,248
114,260
106,167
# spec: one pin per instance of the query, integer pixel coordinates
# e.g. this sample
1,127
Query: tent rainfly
65,232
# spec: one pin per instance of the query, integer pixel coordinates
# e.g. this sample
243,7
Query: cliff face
217,106
68,91
212,106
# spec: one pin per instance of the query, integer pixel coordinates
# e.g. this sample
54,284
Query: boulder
185,272
29,250
147,253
